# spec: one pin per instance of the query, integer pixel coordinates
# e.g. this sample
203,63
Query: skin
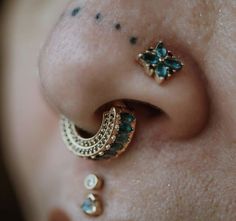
181,164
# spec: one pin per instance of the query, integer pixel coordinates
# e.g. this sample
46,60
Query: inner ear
146,109
141,109
84,133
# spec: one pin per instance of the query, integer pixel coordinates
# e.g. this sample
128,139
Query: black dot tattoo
117,26
75,11
98,16
133,40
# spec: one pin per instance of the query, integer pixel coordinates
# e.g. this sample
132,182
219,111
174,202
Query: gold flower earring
159,63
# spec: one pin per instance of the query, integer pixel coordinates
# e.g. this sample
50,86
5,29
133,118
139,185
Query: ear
80,74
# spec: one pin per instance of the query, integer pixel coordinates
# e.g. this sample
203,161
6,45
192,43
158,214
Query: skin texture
181,164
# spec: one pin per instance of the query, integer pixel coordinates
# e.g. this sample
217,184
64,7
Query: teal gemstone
109,155
116,146
161,50
122,138
150,58
126,117
126,128
88,206
161,70
106,157
173,63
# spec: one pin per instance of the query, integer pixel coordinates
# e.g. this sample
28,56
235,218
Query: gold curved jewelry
113,137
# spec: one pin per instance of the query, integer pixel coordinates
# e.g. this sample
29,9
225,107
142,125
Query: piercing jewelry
93,182
159,63
92,206
113,137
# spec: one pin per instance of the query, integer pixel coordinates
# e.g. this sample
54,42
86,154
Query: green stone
173,63
108,155
116,146
150,58
161,70
122,138
127,118
126,128
161,50
111,152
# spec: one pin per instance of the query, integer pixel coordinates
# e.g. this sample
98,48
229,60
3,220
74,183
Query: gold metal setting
113,137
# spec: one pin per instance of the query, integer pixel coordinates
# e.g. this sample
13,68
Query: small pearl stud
93,182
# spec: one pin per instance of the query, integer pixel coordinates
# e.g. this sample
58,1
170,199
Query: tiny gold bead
101,153
108,147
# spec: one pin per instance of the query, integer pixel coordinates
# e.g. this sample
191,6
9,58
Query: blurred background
9,206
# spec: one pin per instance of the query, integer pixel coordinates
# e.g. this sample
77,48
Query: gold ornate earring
112,139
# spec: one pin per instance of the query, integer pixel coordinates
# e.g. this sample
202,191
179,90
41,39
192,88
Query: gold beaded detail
102,143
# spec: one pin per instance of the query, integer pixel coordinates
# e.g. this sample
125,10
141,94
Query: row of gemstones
122,138
88,147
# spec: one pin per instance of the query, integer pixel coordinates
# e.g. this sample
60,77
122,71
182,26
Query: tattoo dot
117,26
133,40
75,12
98,16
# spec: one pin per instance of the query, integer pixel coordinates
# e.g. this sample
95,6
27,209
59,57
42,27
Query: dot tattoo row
98,17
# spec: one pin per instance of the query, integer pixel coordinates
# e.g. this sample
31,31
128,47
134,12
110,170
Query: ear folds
84,75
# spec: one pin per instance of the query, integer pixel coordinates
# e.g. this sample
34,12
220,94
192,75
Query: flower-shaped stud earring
159,62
